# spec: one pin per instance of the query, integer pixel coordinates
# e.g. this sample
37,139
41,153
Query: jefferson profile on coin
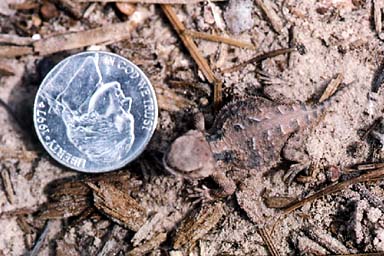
98,121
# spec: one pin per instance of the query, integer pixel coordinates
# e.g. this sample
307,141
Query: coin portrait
95,112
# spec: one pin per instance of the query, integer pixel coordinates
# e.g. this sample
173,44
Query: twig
378,78
371,128
259,58
153,1
292,34
371,176
332,87
369,167
109,33
220,39
377,15
360,254
265,235
195,53
8,188
40,241
271,15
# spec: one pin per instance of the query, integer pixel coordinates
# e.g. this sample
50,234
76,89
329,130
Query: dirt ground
335,37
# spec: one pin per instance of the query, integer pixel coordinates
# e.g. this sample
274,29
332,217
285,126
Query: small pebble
48,11
36,21
333,173
238,16
203,101
126,8
374,214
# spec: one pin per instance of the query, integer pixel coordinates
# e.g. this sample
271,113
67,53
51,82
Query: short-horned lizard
248,134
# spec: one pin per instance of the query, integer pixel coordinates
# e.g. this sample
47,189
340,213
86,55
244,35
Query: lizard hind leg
226,187
294,150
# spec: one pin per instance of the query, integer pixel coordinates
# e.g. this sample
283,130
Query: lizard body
247,134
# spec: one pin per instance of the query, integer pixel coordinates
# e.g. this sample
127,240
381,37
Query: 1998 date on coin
95,112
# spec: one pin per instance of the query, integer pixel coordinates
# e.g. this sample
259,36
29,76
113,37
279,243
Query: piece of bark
118,205
107,34
197,224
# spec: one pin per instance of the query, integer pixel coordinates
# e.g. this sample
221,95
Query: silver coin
95,112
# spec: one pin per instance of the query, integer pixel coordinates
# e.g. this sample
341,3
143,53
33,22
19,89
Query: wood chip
28,5
197,224
148,246
118,205
114,242
66,249
14,51
66,207
271,15
8,188
6,69
332,87
170,101
107,34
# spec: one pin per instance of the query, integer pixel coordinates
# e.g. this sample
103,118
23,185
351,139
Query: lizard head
190,156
